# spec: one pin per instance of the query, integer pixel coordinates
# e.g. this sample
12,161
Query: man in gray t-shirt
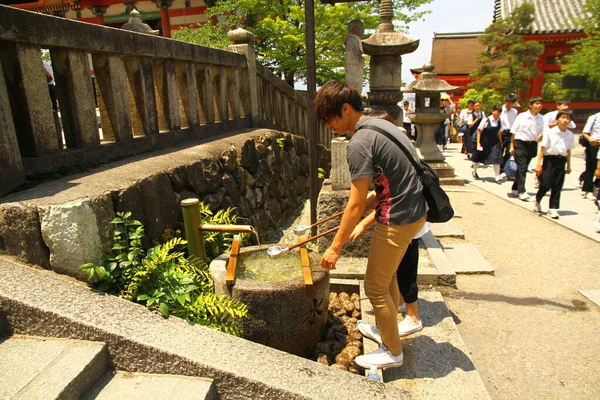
399,202
399,190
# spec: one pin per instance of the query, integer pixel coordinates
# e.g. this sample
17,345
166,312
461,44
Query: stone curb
43,303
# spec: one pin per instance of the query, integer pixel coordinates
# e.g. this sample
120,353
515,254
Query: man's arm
354,210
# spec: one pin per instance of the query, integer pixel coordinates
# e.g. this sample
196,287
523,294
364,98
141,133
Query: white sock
497,170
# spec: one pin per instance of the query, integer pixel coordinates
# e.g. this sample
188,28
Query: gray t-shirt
400,198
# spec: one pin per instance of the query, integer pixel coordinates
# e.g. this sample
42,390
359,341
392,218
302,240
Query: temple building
165,16
554,25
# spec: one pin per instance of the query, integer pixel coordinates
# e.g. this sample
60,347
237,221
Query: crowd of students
493,140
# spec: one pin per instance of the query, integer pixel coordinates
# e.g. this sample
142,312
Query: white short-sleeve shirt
508,118
483,124
557,143
527,127
592,126
550,118
470,116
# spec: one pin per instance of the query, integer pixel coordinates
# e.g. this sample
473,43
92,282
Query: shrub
163,279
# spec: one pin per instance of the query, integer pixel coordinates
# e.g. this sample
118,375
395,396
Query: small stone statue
354,61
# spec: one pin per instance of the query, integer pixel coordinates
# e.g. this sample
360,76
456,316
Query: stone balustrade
152,93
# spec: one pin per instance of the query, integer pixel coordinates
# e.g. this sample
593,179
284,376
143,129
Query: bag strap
400,145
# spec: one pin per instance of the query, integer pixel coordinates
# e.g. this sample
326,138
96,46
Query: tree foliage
509,62
487,97
279,27
585,58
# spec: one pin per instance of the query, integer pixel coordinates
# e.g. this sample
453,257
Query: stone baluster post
243,44
10,163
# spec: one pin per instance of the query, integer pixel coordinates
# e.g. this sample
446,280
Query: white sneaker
589,196
369,331
402,308
408,326
524,196
598,223
537,208
552,213
380,358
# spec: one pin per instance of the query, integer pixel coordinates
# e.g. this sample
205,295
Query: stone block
159,205
466,259
331,202
20,234
340,174
447,229
77,232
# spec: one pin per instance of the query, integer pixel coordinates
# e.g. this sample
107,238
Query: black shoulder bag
440,209
582,140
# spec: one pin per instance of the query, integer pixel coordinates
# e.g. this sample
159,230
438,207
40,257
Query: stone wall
65,223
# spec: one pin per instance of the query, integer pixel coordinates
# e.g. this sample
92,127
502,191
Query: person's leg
388,246
591,153
407,270
496,170
545,181
522,163
558,180
506,136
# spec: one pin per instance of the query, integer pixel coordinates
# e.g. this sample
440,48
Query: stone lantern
386,47
427,117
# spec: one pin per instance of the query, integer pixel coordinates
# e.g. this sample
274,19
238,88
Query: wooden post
232,263
306,273
191,222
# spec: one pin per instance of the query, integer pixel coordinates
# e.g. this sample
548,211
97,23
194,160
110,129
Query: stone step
141,386
49,368
447,229
466,259
452,181
437,364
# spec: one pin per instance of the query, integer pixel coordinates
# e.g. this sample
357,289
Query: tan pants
388,246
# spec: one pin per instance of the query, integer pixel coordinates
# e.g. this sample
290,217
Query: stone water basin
285,313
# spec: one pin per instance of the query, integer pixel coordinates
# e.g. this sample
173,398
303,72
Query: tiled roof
551,16
455,53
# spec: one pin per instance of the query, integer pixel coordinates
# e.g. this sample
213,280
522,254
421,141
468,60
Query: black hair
470,101
534,99
496,108
563,102
332,96
511,98
568,113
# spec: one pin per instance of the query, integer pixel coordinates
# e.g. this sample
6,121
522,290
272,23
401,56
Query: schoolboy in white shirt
526,130
553,162
507,118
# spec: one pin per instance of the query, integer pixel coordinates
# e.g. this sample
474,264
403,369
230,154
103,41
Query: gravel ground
530,333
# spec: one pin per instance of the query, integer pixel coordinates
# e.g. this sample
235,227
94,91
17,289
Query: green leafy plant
163,279
321,173
216,243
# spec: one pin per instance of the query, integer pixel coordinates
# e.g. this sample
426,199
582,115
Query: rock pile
343,341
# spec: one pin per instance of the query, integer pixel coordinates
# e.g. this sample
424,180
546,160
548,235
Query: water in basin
258,266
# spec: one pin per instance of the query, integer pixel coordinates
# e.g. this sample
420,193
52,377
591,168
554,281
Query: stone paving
576,213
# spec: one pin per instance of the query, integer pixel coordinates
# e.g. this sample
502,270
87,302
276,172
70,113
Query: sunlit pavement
576,213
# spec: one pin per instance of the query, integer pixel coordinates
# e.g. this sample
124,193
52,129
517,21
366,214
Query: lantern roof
429,82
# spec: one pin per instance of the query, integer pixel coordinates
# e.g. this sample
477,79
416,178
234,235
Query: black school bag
440,209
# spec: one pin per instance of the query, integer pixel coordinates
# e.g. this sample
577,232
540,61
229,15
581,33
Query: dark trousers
407,273
506,138
590,166
407,126
524,153
552,178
